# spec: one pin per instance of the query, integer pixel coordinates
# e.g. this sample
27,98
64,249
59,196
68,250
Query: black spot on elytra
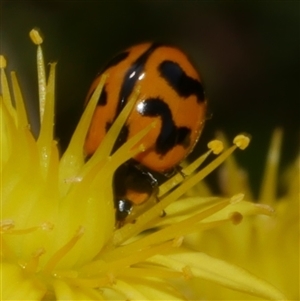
170,135
116,60
183,84
132,76
122,138
102,101
107,126
127,87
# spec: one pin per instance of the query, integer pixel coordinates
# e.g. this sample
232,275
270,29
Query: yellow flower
58,234
265,245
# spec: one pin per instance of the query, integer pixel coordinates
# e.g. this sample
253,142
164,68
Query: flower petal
218,271
155,288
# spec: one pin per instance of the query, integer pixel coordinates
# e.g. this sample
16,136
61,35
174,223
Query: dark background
247,53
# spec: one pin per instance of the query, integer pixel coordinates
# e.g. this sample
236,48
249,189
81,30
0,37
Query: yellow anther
216,146
36,36
47,226
241,141
236,217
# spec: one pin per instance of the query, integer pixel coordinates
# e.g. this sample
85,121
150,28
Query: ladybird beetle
171,92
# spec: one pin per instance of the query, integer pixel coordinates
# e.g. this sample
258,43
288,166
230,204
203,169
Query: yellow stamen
178,177
178,229
6,99
7,228
268,187
54,260
73,158
22,231
20,108
215,146
92,282
114,263
127,148
2,62
109,139
37,39
45,139
32,266
124,153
